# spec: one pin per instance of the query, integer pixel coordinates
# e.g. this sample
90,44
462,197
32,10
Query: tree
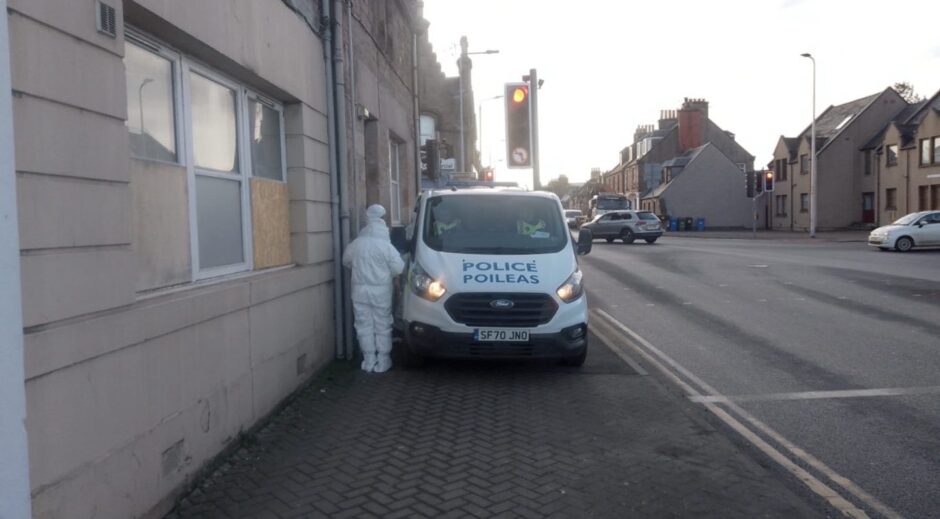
560,186
906,91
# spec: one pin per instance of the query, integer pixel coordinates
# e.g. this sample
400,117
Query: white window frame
182,66
279,108
243,177
133,36
394,183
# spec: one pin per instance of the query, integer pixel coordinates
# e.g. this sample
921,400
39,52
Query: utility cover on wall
106,19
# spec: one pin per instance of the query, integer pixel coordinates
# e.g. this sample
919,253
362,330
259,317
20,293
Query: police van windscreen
504,224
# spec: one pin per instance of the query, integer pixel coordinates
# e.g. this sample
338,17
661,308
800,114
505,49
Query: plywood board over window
270,223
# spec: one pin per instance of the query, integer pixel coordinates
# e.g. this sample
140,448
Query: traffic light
431,154
749,183
488,175
518,131
758,182
768,181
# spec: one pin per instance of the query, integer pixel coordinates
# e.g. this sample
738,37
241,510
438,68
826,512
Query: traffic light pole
534,126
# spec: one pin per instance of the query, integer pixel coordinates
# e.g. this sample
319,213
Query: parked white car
914,230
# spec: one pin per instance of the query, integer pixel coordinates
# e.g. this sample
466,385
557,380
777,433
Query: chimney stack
667,119
693,119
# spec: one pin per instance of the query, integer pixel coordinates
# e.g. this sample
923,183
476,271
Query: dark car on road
626,225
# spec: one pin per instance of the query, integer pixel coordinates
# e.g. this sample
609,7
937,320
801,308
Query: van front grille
477,309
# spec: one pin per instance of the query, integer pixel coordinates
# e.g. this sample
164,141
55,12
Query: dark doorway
868,207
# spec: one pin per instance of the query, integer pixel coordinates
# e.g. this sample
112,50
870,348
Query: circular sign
520,156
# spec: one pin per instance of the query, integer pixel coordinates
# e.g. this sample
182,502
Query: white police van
491,273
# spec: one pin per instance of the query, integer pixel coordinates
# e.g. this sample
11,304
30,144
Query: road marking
723,285
820,395
757,266
642,346
612,346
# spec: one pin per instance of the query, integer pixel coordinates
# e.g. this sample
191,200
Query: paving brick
492,440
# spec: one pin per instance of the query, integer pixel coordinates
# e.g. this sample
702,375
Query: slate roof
902,118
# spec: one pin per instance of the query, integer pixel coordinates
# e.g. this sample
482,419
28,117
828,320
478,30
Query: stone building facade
186,174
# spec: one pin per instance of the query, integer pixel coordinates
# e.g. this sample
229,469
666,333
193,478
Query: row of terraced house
877,158
177,181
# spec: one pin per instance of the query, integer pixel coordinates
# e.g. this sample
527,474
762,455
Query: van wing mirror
399,237
585,241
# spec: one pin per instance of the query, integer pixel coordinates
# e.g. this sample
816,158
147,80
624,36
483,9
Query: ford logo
502,304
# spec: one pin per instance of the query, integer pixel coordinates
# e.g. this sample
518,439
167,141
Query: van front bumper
430,341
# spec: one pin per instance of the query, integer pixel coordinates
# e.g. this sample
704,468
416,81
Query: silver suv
626,225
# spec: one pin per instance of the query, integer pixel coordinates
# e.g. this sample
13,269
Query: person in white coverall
374,263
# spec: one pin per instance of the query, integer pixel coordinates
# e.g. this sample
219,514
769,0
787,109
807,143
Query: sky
610,66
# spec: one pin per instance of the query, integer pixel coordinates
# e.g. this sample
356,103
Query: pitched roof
917,115
681,160
901,118
838,118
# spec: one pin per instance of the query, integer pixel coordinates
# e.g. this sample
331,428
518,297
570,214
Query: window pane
219,221
924,152
265,125
936,150
151,120
213,109
428,130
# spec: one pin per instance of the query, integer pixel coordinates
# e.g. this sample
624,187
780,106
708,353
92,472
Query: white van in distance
492,273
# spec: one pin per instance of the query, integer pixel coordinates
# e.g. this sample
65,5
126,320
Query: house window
891,154
231,134
925,152
781,205
219,179
266,127
936,150
394,180
428,128
151,79
804,164
804,202
922,202
867,170
891,199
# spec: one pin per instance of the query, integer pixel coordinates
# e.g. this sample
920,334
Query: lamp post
812,173
460,66
140,100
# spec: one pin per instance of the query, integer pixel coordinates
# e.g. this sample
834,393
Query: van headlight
423,285
572,288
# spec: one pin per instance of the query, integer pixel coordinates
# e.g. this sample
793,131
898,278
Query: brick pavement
492,440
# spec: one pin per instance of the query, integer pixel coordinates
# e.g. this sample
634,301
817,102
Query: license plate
500,335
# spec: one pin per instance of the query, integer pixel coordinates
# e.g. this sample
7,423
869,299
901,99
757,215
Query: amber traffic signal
518,130
768,181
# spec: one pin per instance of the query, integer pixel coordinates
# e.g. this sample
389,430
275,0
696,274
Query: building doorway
868,208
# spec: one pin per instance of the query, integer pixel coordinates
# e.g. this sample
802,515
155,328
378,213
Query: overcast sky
609,65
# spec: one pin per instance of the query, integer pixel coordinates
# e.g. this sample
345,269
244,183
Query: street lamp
812,174
140,99
460,65
480,119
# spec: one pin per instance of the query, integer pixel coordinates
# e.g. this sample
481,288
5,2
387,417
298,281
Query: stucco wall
135,376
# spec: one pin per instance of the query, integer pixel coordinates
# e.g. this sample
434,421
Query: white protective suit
374,263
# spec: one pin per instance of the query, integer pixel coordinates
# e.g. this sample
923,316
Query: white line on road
647,351
819,395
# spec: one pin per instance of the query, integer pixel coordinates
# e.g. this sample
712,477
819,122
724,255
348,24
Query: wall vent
106,19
